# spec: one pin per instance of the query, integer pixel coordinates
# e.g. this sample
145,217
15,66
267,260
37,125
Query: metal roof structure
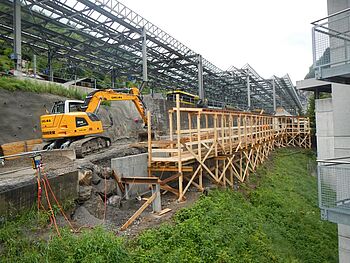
107,37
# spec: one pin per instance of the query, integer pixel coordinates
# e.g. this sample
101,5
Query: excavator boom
94,99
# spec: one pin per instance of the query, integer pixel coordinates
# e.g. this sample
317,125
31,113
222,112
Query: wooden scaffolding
224,146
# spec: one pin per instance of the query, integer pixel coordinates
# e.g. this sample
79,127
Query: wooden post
216,134
190,127
230,124
223,132
206,124
149,133
239,129
199,149
171,128
178,131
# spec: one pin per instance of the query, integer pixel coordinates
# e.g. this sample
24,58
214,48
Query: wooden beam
138,212
140,180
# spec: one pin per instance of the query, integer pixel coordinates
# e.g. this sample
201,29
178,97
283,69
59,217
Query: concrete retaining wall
24,197
132,165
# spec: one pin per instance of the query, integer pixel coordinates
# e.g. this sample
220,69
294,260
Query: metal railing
334,188
331,41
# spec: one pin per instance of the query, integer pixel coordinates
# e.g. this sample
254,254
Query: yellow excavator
74,124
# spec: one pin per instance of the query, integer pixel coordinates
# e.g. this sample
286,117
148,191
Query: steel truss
106,37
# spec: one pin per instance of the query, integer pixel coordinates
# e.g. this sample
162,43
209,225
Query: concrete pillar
156,204
344,243
200,79
34,65
113,78
17,40
324,127
144,56
341,113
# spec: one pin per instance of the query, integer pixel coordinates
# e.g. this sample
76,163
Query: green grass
13,84
273,218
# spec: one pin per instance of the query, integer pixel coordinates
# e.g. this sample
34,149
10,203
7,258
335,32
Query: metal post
144,55
248,89
274,94
200,79
95,84
113,78
313,47
49,62
34,65
17,37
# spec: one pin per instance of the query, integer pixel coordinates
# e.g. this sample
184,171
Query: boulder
84,193
85,177
97,170
95,205
106,172
95,179
110,188
114,200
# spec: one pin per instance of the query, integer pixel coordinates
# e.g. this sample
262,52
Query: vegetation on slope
12,84
273,218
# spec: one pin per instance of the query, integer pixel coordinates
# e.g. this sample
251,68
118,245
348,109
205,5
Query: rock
85,177
106,172
114,200
83,216
95,205
84,193
97,170
110,188
95,179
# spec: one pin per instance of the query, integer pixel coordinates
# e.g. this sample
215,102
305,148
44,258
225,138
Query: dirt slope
20,113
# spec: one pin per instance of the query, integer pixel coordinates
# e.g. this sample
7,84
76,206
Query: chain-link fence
334,186
331,40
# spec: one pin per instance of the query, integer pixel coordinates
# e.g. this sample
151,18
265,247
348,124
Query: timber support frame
223,146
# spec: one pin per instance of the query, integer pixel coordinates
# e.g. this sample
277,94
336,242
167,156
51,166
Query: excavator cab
67,106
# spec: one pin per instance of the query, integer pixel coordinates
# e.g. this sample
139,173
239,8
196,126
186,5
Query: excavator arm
94,99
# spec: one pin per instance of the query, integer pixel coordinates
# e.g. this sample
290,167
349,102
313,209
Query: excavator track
89,145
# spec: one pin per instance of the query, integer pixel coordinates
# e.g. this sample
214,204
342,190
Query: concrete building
331,54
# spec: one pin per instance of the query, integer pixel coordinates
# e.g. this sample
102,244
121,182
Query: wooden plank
138,212
169,179
170,189
187,109
171,169
120,184
140,180
164,211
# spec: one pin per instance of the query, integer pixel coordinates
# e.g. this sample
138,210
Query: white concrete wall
324,128
130,166
337,5
341,131
341,113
